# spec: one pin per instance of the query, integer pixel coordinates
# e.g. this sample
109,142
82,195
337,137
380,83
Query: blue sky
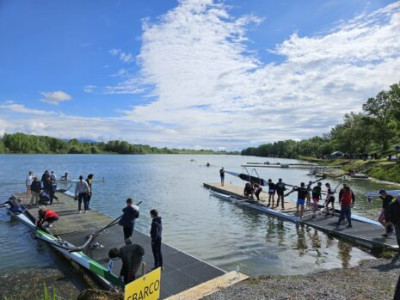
192,73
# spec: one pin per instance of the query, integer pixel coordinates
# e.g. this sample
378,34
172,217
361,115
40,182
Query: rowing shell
253,205
78,256
389,192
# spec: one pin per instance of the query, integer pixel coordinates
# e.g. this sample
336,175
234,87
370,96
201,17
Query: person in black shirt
156,237
222,175
301,198
271,193
280,191
393,216
316,196
248,191
386,200
131,256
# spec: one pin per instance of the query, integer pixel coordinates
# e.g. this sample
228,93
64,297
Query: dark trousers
280,198
345,211
397,230
82,197
156,248
128,231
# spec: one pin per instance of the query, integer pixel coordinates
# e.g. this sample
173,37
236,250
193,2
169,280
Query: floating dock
365,232
183,276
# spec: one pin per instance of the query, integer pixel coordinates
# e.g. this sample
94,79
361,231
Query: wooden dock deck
362,233
183,276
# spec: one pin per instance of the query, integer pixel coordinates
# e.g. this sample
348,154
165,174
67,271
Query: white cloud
208,85
208,88
89,89
123,56
55,97
19,108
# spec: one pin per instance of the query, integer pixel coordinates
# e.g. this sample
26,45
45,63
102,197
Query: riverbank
382,169
372,279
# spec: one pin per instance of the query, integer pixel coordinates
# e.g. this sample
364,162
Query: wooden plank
209,287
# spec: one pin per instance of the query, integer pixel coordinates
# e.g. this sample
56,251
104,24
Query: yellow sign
146,287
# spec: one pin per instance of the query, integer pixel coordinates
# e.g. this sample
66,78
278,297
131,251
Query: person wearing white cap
393,216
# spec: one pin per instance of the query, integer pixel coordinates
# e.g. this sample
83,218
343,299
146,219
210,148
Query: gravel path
372,279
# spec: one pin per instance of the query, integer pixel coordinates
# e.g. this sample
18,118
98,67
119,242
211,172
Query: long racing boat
70,251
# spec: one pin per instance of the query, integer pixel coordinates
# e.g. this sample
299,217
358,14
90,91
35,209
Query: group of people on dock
41,191
132,254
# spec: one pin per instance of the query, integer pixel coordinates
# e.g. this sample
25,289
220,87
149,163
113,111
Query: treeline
25,143
370,132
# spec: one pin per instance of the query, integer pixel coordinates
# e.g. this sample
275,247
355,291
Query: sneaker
80,211
85,211
50,225
385,235
349,226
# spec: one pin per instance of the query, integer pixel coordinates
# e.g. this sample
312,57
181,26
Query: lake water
218,232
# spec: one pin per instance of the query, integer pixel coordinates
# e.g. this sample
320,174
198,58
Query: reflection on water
344,253
220,233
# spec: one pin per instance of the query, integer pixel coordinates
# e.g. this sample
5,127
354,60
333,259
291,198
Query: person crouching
46,215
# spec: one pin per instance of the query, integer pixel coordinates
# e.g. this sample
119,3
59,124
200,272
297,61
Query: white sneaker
80,211
50,225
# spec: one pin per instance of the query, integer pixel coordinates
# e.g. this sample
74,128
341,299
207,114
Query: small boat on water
359,176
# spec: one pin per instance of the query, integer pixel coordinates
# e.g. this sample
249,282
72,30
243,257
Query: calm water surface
218,232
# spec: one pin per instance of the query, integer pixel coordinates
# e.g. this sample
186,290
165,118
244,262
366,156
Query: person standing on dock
28,183
316,196
301,199
131,256
386,200
35,189
271,193
89,182
330,198
280,191
393,216
127,221
345,201
222,175
156,237
81,192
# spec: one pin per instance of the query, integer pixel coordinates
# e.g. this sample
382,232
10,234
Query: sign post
146,287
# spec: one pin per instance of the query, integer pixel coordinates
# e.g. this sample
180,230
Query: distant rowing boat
102,180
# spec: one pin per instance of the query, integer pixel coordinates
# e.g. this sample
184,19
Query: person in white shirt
28,182
81,193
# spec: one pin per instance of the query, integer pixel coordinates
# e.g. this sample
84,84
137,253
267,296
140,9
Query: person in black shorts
271,193
330,198
280,191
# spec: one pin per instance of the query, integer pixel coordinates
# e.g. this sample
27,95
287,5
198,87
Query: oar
308,186
115,221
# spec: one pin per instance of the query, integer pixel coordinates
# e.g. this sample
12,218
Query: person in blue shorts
301,198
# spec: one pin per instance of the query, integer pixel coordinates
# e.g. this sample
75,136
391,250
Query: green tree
379,110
